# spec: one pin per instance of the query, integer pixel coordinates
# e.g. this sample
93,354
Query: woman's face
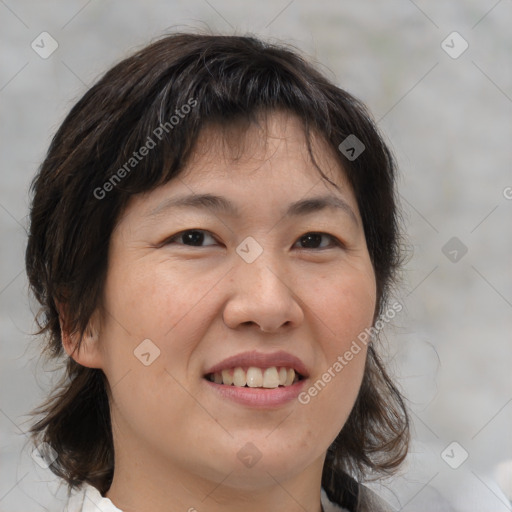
194,289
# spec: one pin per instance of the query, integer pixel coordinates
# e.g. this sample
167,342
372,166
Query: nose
262,295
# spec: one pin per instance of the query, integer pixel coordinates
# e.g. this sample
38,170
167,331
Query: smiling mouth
254,377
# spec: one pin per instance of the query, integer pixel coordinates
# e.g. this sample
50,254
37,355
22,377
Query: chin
248,468
263,474
252,468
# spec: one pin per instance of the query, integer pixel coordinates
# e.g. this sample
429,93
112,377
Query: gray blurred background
445,109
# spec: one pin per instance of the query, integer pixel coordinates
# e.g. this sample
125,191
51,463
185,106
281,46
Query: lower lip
261,398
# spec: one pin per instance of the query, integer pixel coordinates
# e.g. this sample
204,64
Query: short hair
84,184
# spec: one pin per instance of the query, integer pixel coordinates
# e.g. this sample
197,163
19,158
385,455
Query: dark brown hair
80,192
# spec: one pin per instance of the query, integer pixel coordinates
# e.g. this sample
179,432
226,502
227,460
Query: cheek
146,349
156,299
344,303
170,307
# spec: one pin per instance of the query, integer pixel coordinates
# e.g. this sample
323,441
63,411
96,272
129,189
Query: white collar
89,499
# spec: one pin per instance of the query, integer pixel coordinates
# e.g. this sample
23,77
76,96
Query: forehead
275,142
253,167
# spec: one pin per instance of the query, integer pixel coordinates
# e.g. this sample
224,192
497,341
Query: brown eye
191,237
314,241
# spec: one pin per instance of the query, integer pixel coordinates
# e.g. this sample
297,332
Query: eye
190,237
313,240
196,238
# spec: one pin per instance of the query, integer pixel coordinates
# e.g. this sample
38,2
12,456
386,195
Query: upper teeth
256,377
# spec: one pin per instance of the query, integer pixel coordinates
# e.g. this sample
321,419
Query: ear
89,353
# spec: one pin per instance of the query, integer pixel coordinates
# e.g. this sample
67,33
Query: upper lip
261,360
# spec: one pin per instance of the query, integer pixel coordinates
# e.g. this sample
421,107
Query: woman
213,240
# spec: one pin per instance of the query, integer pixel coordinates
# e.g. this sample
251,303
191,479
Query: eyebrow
221,204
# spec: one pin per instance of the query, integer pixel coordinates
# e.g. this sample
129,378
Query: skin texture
176,441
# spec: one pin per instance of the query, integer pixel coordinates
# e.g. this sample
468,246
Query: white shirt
89,499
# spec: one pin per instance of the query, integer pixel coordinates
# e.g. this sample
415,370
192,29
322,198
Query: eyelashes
313,236
196,237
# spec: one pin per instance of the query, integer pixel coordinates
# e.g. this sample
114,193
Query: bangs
186,93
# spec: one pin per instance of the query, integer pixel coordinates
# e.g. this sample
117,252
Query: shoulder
88,499
366,500
330,506
348,495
